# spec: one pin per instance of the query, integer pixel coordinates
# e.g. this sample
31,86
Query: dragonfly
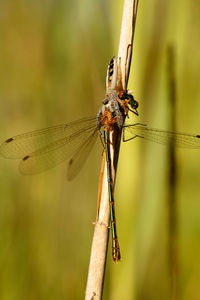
43,149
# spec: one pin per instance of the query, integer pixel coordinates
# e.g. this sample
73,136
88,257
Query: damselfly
43,149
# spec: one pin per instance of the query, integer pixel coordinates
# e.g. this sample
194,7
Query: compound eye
134,104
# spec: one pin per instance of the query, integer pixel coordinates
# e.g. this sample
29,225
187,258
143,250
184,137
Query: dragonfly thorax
112,106
118,104
110,101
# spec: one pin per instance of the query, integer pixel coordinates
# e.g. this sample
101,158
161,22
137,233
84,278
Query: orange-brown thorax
108,119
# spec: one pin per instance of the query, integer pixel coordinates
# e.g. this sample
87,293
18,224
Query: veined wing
23,144
45,148
80,156
161,136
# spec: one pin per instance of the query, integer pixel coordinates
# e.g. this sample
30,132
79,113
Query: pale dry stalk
97,264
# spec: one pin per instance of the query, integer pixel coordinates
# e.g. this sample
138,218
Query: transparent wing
43,149
80,156
21,145
161,136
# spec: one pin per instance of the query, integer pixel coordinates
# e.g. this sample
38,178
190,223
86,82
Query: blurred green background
53,60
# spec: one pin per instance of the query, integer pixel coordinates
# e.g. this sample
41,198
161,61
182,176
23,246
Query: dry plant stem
126,38
97,265
101,232
99,245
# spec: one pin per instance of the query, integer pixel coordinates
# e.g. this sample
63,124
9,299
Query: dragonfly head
129,99
132,102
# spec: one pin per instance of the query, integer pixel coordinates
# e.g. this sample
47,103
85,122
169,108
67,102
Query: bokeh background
53,60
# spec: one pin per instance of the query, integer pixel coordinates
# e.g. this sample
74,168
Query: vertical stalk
98,256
